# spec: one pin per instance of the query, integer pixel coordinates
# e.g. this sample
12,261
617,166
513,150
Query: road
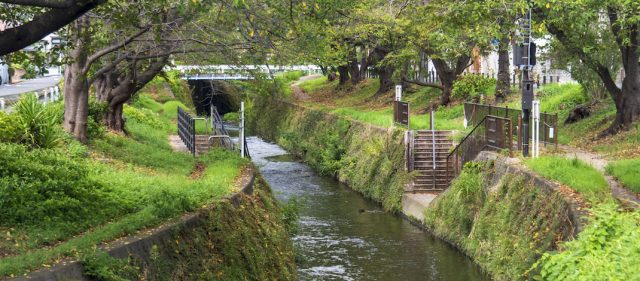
28,86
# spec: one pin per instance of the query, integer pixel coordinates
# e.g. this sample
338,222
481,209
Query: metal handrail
456,150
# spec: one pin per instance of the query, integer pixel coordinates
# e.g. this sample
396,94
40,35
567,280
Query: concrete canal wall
368,159
498,213
240,238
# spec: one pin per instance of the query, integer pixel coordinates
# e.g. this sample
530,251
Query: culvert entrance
223,96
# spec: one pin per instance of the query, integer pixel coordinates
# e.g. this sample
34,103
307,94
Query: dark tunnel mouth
204,92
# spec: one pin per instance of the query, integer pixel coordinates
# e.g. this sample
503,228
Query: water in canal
344,236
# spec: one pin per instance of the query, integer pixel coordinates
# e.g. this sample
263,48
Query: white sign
551,132
398,92
1,104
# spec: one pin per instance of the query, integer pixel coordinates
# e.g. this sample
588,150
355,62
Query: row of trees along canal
113,48
119,46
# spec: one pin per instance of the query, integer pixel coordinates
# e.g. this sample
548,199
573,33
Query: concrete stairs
202,144
430,179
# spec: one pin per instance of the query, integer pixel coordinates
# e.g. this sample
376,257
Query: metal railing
475,113
46,95
187,130
491,133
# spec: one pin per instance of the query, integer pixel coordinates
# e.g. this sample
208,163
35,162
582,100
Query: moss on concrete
242,239
367,158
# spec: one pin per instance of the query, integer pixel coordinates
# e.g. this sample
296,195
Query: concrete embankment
368,159
239,238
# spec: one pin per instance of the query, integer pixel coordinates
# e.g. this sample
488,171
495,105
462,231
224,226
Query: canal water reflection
344,236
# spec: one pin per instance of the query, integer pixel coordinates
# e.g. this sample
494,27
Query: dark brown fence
187,130
475,113
491,133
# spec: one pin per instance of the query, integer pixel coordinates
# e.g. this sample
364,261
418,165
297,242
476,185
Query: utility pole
524,57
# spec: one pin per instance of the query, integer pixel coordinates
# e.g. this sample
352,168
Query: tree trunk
354,72
343,71
503,83
76,89
627,101
448,75
117,88
385,76
446,79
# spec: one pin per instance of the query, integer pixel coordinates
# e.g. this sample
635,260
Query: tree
577,26
28,21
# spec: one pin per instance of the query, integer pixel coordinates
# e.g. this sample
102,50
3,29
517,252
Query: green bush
607,249
143,115
44,185
39,124
231,117
10,130
97,112
470,87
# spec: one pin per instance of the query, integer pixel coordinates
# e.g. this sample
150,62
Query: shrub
231,117
144,116
10,130
44,185
471,87
607,249
97,112
39,124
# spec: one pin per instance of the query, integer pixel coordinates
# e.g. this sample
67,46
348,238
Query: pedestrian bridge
239,72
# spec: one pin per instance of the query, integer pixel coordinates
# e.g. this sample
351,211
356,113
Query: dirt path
298,93
624,195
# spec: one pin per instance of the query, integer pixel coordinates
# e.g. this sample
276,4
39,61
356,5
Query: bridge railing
491,133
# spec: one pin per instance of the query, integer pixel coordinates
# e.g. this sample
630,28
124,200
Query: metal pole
433,145
2,105
242,129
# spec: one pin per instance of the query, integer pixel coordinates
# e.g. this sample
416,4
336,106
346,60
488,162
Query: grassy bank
368,159
503,221
247,241
60,202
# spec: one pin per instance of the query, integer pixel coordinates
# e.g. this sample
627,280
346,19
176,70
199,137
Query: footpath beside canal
501,216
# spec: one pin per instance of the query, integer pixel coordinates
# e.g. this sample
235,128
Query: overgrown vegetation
607,249
368,159
50,195
247,241
504,228
572,172
627,172
473,87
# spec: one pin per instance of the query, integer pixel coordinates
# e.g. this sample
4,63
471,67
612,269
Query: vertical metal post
433,145
2,105
242,129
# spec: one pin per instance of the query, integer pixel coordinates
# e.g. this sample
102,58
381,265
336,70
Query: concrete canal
344,236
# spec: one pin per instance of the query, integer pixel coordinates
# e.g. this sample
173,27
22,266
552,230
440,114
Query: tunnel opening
222,95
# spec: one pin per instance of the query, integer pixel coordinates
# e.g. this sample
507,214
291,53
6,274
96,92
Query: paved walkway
10,90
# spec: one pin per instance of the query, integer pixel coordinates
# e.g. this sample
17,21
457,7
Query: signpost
400,108
524,57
